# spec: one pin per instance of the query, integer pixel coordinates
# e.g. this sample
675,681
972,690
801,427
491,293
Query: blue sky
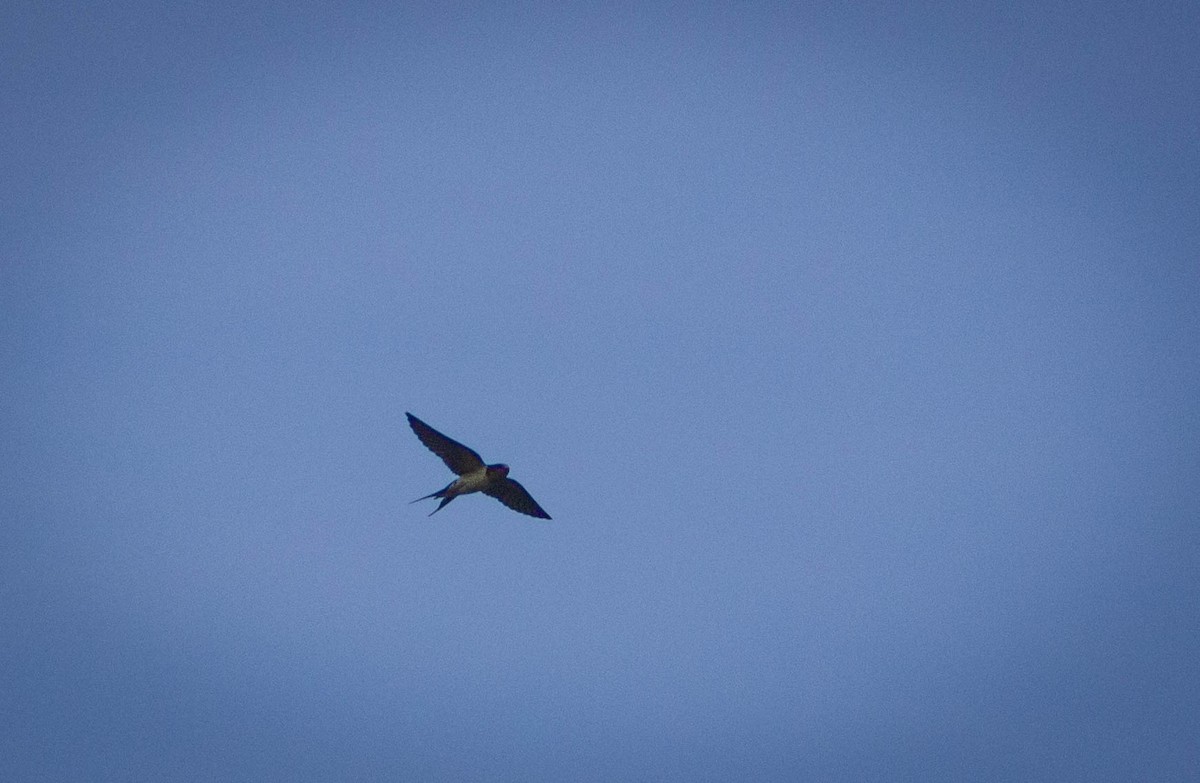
853,351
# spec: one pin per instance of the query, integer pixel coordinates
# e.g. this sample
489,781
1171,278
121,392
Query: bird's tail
441,493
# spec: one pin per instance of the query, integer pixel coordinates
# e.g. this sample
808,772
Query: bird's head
498,470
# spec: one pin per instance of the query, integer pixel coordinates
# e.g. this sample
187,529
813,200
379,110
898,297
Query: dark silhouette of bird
473,474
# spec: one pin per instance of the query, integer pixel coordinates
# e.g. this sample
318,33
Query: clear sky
855,351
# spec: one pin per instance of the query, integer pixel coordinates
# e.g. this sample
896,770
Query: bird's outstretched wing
513,495
457,457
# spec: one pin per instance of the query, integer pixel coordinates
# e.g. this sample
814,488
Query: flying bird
473,474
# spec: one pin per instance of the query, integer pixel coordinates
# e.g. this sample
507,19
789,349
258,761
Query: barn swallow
473,474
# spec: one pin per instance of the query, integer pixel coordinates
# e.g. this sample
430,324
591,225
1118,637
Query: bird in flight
473,474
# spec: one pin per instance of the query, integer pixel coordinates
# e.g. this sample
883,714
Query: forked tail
441,493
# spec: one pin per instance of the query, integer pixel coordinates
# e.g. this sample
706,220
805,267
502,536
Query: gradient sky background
854,350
